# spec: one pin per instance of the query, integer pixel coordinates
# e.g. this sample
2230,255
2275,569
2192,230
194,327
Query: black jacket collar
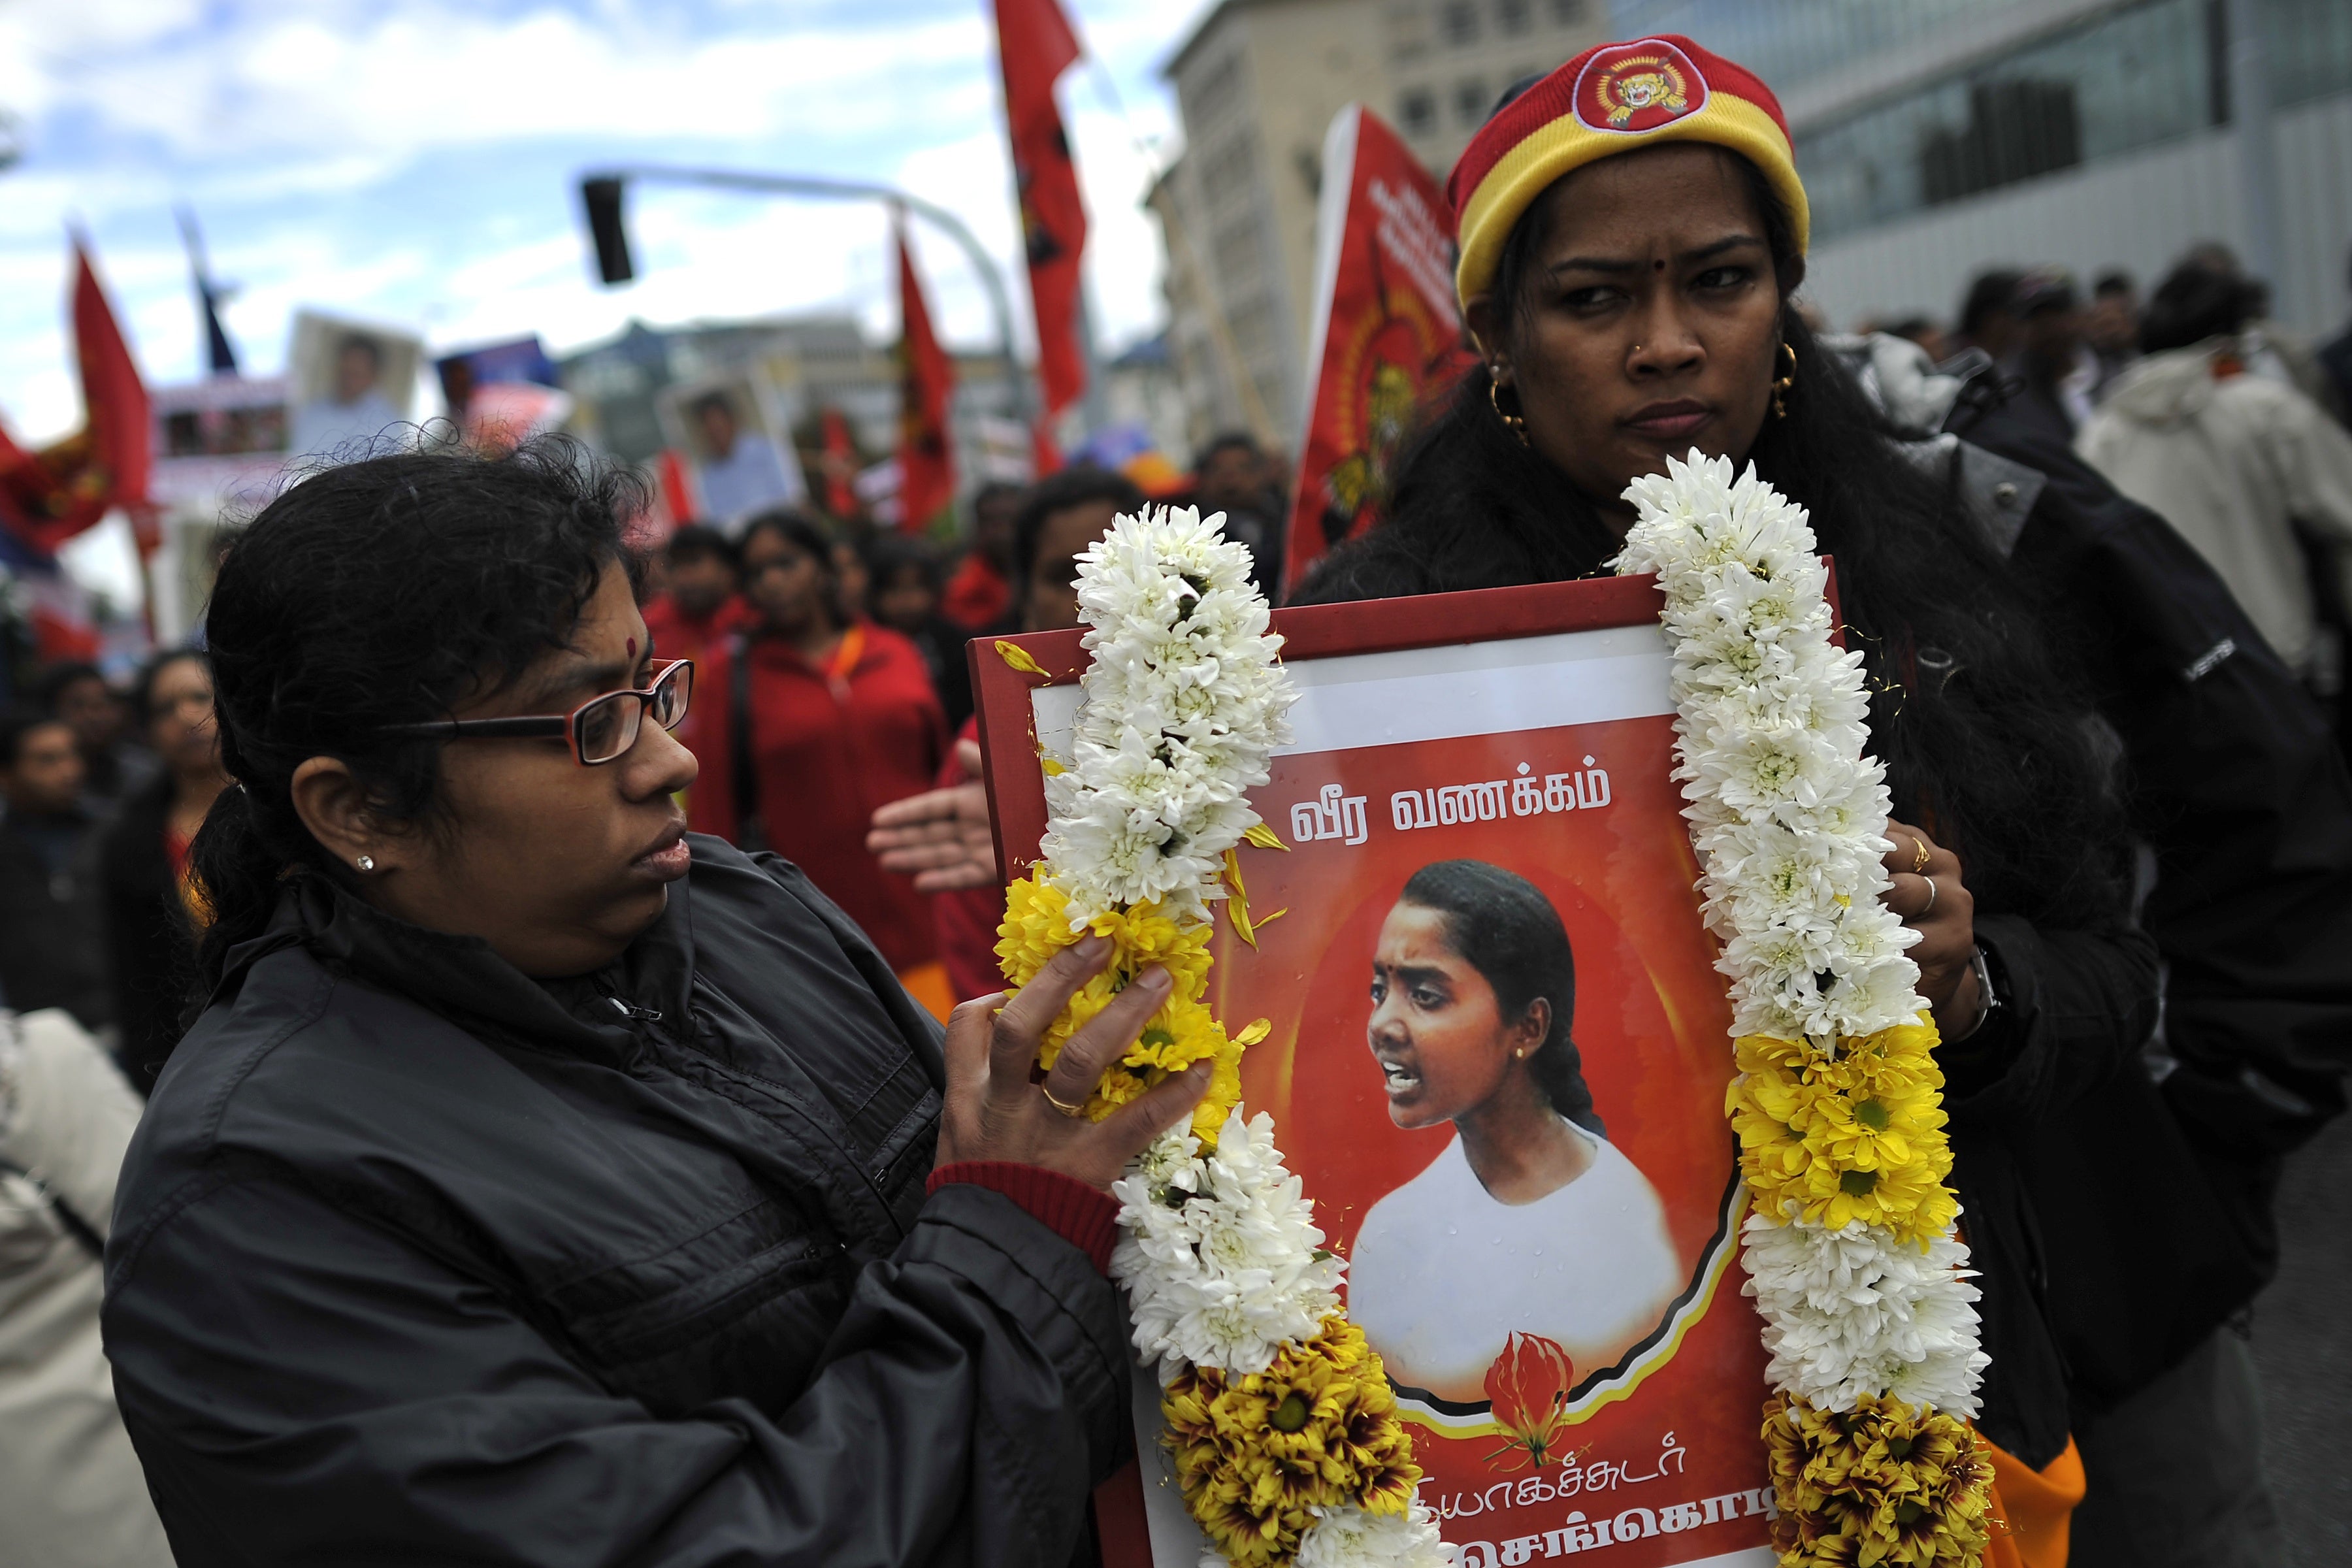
594,1014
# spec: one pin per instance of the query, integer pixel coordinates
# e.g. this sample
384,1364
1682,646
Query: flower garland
1852,1255
1280,1420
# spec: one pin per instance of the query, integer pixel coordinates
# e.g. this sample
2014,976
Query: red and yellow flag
1387,332
47,497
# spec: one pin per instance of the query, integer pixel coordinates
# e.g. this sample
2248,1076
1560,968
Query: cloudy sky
413,162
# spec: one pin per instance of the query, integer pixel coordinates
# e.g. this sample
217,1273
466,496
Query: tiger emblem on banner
1638,87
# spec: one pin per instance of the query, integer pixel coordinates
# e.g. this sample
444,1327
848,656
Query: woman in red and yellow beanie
1632,231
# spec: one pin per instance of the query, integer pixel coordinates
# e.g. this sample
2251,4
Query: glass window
2310,47
1459,22
2129,79
1417,112
1470,102
1792,42
1511,17
1567,13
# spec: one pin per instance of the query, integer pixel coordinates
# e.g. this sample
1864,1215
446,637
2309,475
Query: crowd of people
832,681
664,1230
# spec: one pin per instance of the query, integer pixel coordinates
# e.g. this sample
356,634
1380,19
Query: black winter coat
417,1259
151,952
2153,1196
50,951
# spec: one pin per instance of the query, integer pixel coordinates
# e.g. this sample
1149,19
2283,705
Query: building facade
1937,138
1258,85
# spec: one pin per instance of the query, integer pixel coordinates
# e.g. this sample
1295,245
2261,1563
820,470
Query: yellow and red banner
1387,331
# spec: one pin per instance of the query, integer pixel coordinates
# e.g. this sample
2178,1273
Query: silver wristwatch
1990,997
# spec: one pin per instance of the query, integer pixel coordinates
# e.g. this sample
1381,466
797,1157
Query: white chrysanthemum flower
1788,812
1220,1256
1853,1312
1184,705
1348,1537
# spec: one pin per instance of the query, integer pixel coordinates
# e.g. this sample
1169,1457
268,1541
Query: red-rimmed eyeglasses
601,730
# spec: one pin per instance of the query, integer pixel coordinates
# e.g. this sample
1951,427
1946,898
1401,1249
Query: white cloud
412,160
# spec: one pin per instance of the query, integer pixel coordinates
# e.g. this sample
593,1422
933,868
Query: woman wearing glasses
541,1183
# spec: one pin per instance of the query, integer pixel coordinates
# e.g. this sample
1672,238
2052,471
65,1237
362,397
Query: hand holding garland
1927,893
997,1110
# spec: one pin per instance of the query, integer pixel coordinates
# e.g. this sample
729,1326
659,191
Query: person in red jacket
943,836
981,593
805,725
701,608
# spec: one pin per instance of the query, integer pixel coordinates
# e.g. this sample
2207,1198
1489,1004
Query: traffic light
602,196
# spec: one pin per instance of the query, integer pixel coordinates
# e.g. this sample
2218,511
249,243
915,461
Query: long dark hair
383,592
1988,740
1507,931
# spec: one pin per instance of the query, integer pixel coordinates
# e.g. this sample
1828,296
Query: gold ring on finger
1064,1106
1922,915
1920,855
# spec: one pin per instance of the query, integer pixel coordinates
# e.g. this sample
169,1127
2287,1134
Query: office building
1257,84
1939,137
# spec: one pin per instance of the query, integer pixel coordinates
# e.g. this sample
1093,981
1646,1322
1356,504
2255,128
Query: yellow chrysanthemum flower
1255,1452
1854,1135
1884,1483
1183,1031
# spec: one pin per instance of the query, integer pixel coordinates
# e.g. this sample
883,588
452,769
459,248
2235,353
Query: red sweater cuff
1087,1219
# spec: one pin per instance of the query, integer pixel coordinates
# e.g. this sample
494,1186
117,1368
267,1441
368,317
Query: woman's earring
1514,423
1781,387
366,862
1521,1052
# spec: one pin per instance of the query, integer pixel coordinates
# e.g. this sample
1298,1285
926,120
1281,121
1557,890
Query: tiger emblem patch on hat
1638,87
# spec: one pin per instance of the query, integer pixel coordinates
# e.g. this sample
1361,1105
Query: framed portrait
348,383
1498,1056
732,428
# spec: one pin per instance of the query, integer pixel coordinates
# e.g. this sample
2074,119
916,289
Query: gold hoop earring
1515,424
1781,387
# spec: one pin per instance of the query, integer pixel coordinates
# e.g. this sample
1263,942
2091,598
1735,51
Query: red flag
115,399
47,497
1387,331
839,465
1035,45
926,380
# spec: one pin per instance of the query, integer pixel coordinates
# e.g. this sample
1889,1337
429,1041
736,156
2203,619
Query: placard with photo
349,383
732,428
1498,1055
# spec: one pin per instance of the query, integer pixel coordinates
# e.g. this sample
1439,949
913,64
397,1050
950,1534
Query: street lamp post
601,194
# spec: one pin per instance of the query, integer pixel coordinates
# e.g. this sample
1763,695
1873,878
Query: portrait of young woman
1472,1001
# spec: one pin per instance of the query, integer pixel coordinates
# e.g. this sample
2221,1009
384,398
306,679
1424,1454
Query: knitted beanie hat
1611,99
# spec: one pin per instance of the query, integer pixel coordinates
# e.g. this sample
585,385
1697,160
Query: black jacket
51,953
2078,1005
150,949
417,1259
2153,1198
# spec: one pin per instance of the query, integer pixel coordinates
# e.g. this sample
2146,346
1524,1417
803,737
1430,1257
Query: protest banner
1387,332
